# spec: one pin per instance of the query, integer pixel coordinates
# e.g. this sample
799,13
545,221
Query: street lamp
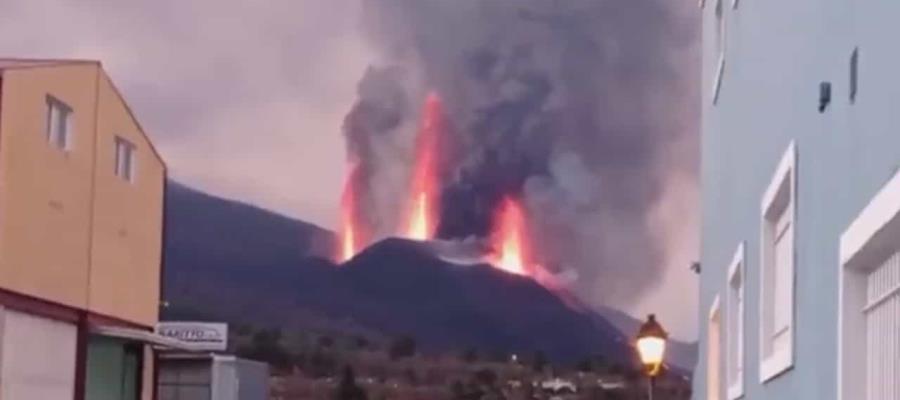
651,347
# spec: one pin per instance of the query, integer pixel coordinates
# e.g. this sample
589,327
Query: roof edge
137,122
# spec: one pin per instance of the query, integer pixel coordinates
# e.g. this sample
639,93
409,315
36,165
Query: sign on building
210,336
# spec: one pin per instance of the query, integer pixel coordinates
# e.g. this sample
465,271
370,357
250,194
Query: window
125,162
869,301
713,353
59,128
184,379
735,332
113,369
720,46
777,269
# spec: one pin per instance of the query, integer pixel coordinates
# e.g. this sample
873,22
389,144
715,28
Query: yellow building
81,225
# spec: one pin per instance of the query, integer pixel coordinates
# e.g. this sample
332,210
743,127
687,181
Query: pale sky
245,99
244,102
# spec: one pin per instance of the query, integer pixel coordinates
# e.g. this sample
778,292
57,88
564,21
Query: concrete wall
71,231
45,193
777,53
127,228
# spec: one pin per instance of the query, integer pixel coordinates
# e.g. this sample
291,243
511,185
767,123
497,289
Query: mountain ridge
243,264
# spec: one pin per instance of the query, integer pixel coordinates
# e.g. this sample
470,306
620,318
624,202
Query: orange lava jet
422,215
351,235
510,239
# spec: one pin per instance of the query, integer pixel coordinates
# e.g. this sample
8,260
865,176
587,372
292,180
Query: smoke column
584,110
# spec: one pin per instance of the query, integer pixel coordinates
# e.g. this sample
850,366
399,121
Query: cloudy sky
245,99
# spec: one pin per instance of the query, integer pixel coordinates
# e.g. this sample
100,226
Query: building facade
81,211
800,271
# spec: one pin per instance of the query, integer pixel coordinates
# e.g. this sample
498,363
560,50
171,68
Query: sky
245,99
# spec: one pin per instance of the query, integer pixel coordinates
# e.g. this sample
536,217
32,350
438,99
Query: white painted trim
778,362
867,241
775,364
736,390
714,324
883,208
714,309
737,259
738,266
717,85
785,166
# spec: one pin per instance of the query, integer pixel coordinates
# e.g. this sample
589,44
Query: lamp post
651,347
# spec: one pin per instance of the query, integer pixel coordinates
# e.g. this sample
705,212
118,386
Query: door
37,357
113,367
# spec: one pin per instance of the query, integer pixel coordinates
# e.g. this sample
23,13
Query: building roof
9,63
22,63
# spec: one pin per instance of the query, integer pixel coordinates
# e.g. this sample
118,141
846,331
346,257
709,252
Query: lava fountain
510,239
351,237
422,216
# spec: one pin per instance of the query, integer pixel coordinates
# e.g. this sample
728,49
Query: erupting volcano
507,246
351,235
510,239
421,218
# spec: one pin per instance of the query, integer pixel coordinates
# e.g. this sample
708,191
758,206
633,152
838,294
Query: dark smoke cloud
380,109
570,106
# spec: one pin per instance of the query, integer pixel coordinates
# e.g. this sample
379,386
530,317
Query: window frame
62,142
868,240
714,375
120,143
735,336
721,37
774,362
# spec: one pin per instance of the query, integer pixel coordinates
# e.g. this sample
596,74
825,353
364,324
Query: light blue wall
777,53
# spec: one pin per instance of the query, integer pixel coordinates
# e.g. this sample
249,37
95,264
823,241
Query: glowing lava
510,239
422,213
351,236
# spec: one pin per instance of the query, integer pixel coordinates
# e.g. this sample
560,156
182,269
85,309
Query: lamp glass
651,350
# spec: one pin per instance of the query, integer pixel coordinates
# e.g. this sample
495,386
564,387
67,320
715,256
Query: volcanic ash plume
562,116
371,130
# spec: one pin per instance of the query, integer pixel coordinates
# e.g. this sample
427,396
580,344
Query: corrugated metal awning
147,337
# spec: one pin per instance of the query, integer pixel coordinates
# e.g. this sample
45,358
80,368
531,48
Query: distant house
81,206
559,386
800,285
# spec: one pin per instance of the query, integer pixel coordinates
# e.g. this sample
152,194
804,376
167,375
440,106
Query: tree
321,363
486,377
411,376
469,355
457,390
347,389
585,365
361,343
402,347
539,362
326,341
266,346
